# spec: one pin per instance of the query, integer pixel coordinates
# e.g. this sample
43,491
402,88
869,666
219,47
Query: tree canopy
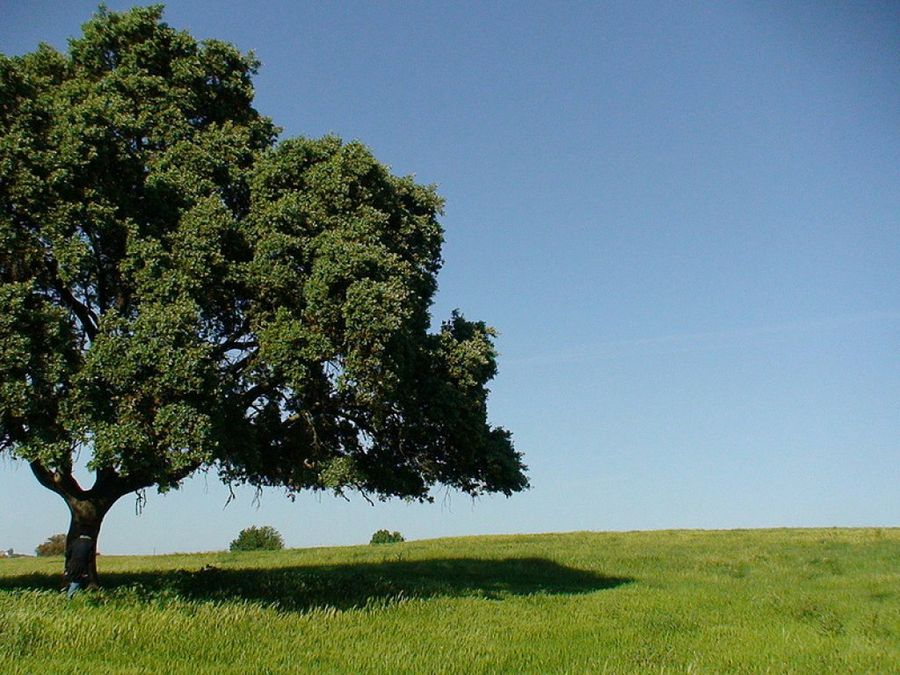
181,289
253,538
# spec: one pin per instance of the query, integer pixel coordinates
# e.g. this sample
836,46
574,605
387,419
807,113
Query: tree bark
86,518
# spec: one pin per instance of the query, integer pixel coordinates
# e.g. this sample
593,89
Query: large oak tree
180,289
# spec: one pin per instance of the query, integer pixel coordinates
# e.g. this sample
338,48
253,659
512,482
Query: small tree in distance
386,537
55,545
265,538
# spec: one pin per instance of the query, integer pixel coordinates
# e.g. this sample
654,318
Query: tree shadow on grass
359,585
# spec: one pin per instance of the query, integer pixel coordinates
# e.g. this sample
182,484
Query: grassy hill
811,601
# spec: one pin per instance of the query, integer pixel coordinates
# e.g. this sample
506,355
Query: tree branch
241,345
85,316
235,368
62,483
235,341
256,391
111,484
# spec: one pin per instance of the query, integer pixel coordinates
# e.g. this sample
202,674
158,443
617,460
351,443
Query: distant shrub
265,538
385,537
55,545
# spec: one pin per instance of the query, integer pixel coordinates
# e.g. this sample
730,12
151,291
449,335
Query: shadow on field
342,587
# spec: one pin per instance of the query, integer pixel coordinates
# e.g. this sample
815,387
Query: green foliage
179,289
386,537
799,601
55,545
264,538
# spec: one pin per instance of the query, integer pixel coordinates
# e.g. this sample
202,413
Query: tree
264,538
180,290
55,545
386,537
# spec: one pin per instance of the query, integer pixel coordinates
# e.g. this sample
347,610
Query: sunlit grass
778,600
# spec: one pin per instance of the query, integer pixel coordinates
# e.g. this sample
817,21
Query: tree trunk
86,518
88,507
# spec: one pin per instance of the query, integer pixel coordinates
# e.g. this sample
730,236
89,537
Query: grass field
805,601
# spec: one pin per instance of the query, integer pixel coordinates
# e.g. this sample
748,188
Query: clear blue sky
684,219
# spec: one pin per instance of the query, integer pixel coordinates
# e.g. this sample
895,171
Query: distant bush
265,538
55,545
385,537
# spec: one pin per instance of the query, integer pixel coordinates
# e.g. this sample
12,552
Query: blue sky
683,218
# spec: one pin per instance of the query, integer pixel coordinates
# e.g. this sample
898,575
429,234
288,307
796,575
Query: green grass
806,601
